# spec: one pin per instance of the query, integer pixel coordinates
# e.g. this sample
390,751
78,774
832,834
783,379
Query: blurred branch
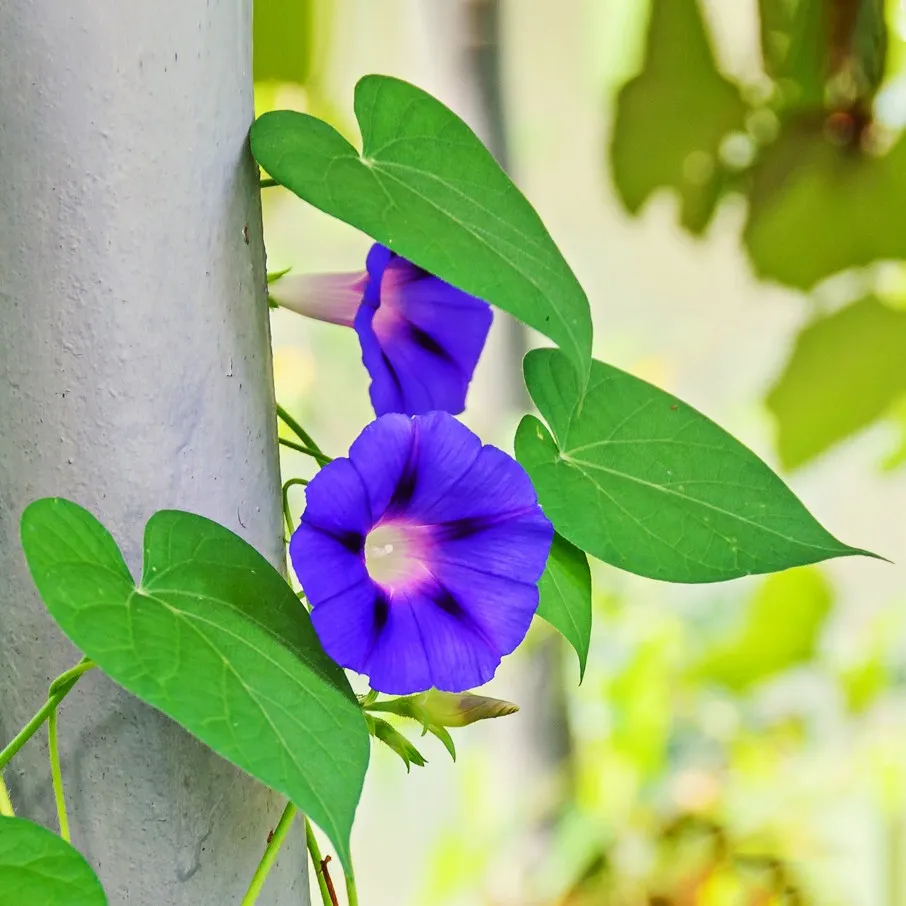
484,64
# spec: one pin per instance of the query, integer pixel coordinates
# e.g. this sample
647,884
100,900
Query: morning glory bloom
420,555
420,337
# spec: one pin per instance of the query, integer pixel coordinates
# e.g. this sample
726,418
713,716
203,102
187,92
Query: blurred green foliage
780,630
814,207
672,117
824,178
846,370
710,747
282,40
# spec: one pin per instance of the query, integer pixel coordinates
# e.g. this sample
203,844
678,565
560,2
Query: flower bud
449,709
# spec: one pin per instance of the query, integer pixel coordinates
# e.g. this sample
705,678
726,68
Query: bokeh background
726,179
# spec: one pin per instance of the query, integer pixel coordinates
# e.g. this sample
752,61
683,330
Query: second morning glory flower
420,554
421,337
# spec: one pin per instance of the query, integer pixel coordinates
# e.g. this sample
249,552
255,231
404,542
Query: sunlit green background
736,213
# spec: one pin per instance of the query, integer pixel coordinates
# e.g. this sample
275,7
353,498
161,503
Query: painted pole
135,374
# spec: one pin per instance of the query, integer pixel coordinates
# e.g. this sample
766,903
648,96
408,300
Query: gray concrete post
135,374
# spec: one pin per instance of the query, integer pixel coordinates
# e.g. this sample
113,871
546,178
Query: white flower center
393,555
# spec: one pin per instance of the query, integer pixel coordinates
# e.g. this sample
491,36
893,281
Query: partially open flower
421,338
420,555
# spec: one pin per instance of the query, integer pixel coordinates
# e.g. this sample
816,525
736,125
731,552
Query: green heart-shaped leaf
38,868
215,638
426,187
565,596
637,478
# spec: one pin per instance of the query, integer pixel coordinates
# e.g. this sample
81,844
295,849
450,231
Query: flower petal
493,485
336,500
328,297
459,652
451,319
514,548
501,608
421,338
326,564
349,624
398,663
380,454
445,450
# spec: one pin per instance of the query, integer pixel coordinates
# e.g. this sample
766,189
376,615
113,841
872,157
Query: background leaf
637,478
38,868
565,596
781,629
426,187
671,119
282,40
846,370
794,49
216,639
814,208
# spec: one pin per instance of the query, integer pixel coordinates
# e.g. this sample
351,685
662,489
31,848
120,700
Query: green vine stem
267,183
287,515
327,898
59,689
56,774
319,458
275,841
6,805
297,429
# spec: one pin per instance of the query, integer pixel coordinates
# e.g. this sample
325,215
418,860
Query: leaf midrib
692,500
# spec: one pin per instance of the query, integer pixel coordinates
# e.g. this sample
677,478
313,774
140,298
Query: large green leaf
426,187
781,629
215,638
846,370
818,208
637,478
565,596
671,118
38,868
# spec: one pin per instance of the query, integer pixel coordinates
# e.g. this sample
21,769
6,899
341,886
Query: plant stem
59,689
327,898
352,898
6,805
287,515
320,458
297,429
56,774
267,183
270,855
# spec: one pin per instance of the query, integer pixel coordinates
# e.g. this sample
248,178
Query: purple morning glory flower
420,337
420,555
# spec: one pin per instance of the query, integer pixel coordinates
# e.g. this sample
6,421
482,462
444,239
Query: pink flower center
395,555
390,317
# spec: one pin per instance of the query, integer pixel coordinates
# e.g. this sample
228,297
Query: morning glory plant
424,554
420,337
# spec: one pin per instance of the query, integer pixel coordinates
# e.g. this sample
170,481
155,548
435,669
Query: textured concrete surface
135,374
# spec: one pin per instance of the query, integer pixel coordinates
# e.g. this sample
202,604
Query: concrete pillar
135,374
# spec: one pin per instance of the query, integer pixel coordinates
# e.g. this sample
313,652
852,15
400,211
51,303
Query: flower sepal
393,739
436,710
